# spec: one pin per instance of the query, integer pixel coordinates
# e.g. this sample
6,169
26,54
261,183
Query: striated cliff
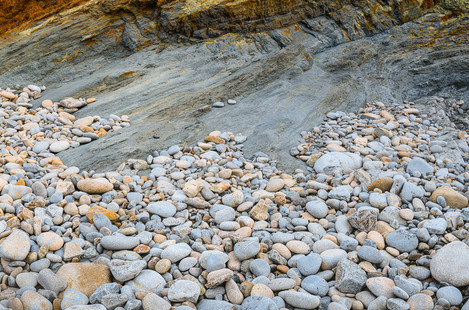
286,63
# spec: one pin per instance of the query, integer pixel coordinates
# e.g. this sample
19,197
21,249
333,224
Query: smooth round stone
234,199
370,254
246,250
162,208
16,246
32,300
53,240
298,247
380,286
119,242
330,258
255,303
95,186
398,292
338,160
402,240
176,252
84,277
206,254
420,302
315,285
454,199
259,267
40,147
450,264
396,304
225,215
50,281
40,264
451,294
309,265
274,185
59,146
260,289
187,263
215,262
73,298
26,279
323,245
419,273
282,284
184,290
148,281
436,226
300,300
317,208
419,165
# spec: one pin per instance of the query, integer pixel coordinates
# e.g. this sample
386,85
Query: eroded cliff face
286,63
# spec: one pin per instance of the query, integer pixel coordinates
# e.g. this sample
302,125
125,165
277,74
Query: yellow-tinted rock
84,277
216,140
384,184
260,211
453,198
95,186
98,209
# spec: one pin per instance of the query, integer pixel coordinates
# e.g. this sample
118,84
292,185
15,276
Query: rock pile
380,220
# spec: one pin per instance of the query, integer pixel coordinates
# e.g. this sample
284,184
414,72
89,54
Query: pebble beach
377,217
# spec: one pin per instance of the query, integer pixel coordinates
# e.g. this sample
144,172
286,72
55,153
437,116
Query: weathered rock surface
229,65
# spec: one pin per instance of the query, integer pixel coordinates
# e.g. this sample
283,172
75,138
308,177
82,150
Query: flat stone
154,302
184,290
315,285
309,264
119,242
84,277
16,191
300,300
402,240
103,290
161,208
258,303
126,270
246,250
419,165
420,302
26,279
148,281
176,252
73,297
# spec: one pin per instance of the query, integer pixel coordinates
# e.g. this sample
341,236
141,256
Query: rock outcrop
286,63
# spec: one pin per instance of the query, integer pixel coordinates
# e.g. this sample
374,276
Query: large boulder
451,264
